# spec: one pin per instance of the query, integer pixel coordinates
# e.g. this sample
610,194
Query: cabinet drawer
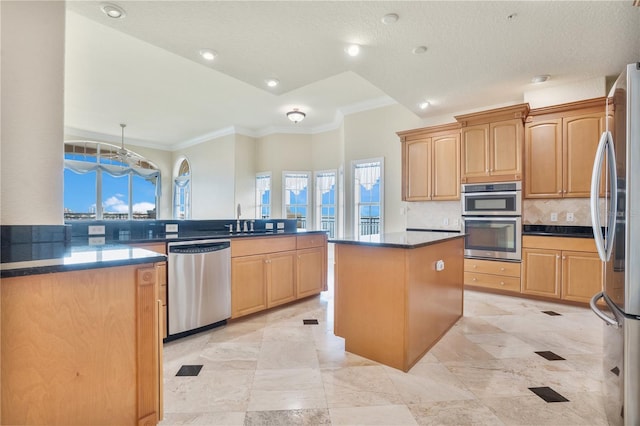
308,241
492,281
559,243
511,269
251,246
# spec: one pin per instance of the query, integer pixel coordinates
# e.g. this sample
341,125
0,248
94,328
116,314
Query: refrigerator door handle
604,317
613,196
605,145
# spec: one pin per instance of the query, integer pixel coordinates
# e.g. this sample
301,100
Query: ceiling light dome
424,105
352,50
208,54
390,18
272,82
296,115
540,78
419,49
112,11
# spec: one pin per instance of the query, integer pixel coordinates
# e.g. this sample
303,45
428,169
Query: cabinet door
581,275
248,285
281,284
310,271
543,159
541,272
475,151
505,148
418,170
446,167
581,135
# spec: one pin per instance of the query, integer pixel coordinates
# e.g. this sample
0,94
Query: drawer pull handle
501,282
475,266
502,269
475,279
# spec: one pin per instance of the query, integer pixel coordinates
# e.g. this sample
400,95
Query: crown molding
104,137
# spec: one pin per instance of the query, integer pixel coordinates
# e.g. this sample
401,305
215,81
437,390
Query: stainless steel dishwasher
199,285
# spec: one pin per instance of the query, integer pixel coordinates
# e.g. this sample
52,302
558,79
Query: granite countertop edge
401,239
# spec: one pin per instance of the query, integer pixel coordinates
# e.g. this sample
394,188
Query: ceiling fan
124,155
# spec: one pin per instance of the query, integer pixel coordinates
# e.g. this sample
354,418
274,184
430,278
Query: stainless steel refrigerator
617,233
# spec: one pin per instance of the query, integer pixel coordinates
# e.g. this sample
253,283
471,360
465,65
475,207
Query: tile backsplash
536,212
434,215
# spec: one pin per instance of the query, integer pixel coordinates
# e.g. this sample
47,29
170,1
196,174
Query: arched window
104,181
182,190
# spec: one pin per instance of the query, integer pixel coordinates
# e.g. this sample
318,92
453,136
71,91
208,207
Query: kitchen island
397,294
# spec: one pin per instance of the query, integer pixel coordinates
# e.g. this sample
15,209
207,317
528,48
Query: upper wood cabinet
491,144
560,146
431,163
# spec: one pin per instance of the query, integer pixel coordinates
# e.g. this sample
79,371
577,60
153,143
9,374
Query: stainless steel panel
631,371
199,287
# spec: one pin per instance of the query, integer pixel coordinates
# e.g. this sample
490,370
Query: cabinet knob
502,269
475,266
564,257
557,256
501,282
475,279
560,192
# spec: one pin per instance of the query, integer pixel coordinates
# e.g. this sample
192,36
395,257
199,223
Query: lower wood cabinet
81,348
492,274
159,247
561,268
271,271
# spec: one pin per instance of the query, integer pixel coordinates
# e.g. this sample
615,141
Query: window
103,182
296,196
326,208
182,191
368,190
263,195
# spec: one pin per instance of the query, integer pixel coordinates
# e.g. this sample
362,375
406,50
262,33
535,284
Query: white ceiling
144,70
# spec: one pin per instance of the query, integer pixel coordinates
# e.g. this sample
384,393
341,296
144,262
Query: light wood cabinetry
560,146
270,271
561,268
311,271
392,304
491,144
81,347
159,247
492,274
431,163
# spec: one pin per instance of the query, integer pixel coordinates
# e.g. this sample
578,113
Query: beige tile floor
270,369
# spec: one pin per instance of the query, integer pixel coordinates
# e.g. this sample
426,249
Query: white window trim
310,215
354,216
317,203
259,204
176,170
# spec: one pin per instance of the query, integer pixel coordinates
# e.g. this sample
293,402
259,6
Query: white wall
371,134
282,152
212,173
245,175
32,115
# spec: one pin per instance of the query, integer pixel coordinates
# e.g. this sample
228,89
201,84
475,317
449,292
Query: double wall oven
492,220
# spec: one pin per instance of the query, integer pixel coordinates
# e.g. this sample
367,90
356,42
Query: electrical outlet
570,217
445,221
554,217
96,229
171,227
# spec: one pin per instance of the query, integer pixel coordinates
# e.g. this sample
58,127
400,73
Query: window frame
356,191
308,206
259,204
317,201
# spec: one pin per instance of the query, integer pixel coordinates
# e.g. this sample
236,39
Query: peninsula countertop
404,240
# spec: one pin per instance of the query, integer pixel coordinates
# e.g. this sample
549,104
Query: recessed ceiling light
208,54
419,50
390,18
424,105
540,78
272,82
512,16
352,50
112,11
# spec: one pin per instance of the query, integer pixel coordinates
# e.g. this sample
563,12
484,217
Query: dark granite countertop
84,252
76,258
558,231
405,240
